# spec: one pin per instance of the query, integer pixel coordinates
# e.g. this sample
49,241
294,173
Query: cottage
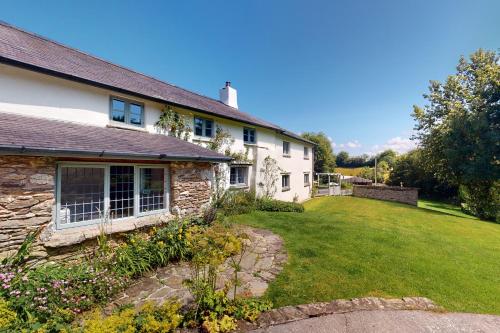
78,143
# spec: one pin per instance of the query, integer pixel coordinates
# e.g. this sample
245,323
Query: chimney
228,95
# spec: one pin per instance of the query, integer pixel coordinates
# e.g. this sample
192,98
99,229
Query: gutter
60,152
50,72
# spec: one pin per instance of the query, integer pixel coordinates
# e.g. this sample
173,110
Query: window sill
306,158
238,187
286,189
250,144
114,124
52,238
202,138
307,185
287,156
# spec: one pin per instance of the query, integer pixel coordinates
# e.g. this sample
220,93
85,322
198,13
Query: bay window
86,194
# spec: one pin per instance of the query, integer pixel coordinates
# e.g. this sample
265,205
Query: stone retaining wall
27,187
407,195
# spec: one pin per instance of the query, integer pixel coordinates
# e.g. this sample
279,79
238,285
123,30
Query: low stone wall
407,195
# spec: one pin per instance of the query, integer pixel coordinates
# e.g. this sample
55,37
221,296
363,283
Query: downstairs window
238,176
86,194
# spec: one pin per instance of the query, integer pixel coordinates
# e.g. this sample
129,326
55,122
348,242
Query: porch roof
31,135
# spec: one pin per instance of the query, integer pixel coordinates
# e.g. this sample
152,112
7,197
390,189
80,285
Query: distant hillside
349,171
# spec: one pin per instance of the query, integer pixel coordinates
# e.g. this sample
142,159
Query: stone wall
27,189
407,195
26,199
191,185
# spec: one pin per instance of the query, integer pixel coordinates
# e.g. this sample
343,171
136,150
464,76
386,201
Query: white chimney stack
228,95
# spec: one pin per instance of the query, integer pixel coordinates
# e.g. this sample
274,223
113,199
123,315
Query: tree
410,170
388,156
324,160
459,131
342,159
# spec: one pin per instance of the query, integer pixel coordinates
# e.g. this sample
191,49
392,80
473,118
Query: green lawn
345,247
444,208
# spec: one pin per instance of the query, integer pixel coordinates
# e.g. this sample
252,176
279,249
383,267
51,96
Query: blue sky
352,69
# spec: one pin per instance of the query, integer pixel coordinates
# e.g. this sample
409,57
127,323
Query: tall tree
342,159
324,160
459,131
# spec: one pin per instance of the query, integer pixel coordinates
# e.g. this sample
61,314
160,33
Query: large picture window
88,193
152,189
81,194
127,112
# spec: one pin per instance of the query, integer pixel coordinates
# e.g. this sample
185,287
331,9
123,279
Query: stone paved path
383,321
262,261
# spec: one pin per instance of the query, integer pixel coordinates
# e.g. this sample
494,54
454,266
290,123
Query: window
87,193
306,153
127,112
121,191
152,194
285,182
238,176
249,135
81,194
203,127
306,179
286,148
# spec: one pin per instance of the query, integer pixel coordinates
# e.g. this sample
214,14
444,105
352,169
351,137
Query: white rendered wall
33,94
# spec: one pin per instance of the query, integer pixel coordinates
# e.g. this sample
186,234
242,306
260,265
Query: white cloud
398,144
353,144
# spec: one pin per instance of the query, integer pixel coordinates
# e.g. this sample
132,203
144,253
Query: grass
349,171
345,247
444,208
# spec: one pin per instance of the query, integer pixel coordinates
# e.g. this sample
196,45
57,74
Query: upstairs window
249,135
306,153
286,148
203,127
127,112
285,182
238,176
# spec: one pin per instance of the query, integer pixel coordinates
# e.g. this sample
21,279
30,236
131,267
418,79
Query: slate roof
28,50
22,134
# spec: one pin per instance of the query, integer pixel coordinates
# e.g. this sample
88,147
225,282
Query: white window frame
288,145
106,167
245,184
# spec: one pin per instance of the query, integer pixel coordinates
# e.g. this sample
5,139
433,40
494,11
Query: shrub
149,319
271,205
236,202
346,186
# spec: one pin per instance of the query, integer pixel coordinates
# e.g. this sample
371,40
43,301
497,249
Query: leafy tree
342,159
410,170
324,160
388,156
383,171
459,131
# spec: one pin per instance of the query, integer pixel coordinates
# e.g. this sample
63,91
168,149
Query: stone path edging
293,313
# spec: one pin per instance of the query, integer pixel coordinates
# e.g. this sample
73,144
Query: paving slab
401,321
